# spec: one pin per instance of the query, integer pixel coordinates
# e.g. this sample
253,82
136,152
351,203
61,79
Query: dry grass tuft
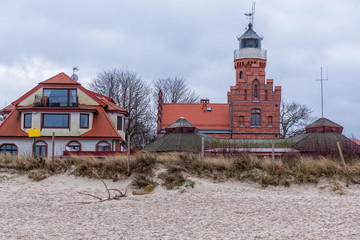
292,168
144,182
173,177
38,174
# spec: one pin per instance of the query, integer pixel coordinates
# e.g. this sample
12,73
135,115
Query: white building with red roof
80,119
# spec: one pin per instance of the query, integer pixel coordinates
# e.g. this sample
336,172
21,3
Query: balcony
45,101
249,53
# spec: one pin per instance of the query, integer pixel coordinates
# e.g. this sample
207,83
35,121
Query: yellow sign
34,132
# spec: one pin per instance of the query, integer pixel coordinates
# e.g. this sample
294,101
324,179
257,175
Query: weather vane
75,68
251,15
322,92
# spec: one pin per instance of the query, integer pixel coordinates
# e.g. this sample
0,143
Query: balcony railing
249,53
43,101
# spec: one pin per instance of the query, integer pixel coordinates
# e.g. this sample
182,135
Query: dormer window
56,97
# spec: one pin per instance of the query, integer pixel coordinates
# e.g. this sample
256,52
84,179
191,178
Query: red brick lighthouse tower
254,102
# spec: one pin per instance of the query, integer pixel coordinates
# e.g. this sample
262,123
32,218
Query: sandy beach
227,210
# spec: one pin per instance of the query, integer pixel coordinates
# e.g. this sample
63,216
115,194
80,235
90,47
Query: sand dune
230,210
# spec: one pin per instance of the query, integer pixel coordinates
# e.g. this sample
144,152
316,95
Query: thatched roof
321,137
323,122
181,136
181,142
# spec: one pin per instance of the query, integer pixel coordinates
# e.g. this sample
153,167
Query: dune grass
243,167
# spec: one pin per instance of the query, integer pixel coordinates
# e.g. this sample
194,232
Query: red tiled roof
218,118
11,126
61,78
113,107
100,95
7,109
102,126
355,141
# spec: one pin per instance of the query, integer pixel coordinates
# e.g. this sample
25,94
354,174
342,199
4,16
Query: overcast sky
190,39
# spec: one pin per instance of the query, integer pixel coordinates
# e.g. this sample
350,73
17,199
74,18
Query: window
245,95
27,120
241,75
270,121
61,97
8,148
84,120
255,89
241,121
119,123
255,117
41,148
103,146
73,146
208,109
55,120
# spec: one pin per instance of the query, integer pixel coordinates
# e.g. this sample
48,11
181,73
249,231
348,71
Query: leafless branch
293,118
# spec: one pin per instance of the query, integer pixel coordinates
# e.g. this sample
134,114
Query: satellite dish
75,77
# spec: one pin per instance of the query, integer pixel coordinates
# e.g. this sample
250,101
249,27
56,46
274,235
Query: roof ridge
69,80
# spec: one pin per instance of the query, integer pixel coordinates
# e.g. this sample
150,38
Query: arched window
256,89
103,146
73,146
255,117
8,148
241,75
41,148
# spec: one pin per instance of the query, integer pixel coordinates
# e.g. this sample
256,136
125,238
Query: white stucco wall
73,130
113,118
25,146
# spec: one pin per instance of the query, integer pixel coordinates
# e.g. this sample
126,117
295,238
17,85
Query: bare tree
132,93
294,117
174,90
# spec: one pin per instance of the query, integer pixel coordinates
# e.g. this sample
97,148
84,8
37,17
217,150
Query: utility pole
322,91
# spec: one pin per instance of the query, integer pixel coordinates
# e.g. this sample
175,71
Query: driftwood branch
109,197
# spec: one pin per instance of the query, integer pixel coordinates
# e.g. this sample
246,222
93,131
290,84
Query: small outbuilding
321,137
181,136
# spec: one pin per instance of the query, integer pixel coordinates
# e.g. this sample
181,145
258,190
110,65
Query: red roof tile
7,109
11,126
102,126
61,78
355,141
113,107
218,118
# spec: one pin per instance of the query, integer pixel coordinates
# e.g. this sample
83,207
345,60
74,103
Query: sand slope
230,210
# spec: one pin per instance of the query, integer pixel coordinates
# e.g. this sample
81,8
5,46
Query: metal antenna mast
74,76
251,14
75,68
322,92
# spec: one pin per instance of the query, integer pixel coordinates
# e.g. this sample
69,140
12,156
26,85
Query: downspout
159,115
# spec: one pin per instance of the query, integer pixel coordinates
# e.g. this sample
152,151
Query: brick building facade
252,110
